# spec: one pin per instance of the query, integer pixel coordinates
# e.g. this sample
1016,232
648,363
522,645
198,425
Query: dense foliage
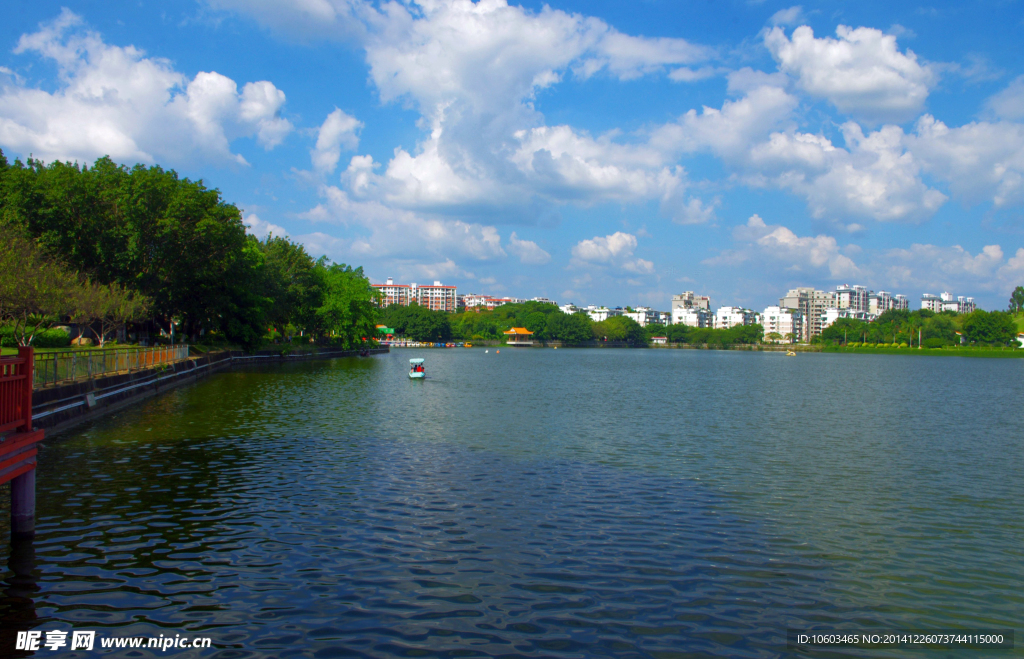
925,328
174,243
545,320
740,334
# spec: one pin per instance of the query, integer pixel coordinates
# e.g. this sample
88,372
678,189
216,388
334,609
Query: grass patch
950,351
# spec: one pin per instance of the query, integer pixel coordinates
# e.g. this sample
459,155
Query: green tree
36,292
1017,300
347,311
989,327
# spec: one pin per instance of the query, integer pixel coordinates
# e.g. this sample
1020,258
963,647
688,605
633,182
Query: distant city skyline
580,151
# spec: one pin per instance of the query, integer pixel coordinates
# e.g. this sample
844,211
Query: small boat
467,345
790,353
416,371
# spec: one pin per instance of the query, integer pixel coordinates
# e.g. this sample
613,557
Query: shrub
52,338
904,345
935,342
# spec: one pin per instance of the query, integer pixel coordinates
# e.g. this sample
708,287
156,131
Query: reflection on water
538,503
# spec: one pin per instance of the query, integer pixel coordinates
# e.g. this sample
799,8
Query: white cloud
935,268
728,132
260,228
862,73
695,211
687,74
567,165
527,251
1009,103
875,177
614,250
777,245
338,131
115,101
980,160
381,231
790,16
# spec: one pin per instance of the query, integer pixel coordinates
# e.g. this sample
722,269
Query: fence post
23,487
27,354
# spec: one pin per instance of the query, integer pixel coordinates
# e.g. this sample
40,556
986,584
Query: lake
538,503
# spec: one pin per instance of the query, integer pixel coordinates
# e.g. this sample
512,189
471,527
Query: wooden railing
16,392
70,365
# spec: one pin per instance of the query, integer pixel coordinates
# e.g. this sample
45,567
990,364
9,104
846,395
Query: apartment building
437,297
787,323
489,302
689,300
392,293
882,301
693,316
811,303
946,302
855,298
646,316
830,316
727,317
601,314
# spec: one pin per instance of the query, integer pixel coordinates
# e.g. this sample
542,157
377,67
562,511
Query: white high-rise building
855,298
693,316
727,317
689,300
646,316
392,293
437,297
882,301
810,303
601,314
787,323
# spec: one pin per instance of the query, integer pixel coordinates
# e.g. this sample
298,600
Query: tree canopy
150,235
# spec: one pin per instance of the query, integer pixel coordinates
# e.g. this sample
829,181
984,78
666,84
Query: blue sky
596,152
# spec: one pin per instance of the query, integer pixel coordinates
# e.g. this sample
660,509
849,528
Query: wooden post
23,505
23,487
28,354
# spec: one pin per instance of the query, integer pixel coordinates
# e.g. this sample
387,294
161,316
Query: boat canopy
418,360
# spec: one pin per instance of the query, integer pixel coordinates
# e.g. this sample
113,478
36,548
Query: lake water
539,503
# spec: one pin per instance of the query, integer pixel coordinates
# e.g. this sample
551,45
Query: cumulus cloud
937,268
338,131
790,16
260,228
613,250
776,244
728,132
980,160
695,211
875,176
116,101
382,231
862,72
527,251
1009,103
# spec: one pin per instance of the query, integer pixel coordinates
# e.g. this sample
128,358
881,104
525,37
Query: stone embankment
65,406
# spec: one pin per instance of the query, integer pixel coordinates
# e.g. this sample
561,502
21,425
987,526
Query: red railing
16,392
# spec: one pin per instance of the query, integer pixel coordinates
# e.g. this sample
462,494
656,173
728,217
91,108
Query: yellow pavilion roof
519,330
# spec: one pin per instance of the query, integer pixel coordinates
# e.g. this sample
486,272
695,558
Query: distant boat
416,371
790,353
467,345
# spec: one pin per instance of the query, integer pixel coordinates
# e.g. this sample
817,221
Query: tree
989,327
36,292
774,337
1017,300
842,329
110,307
348,308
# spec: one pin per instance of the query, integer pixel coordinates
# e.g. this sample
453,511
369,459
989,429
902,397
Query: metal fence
69,365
